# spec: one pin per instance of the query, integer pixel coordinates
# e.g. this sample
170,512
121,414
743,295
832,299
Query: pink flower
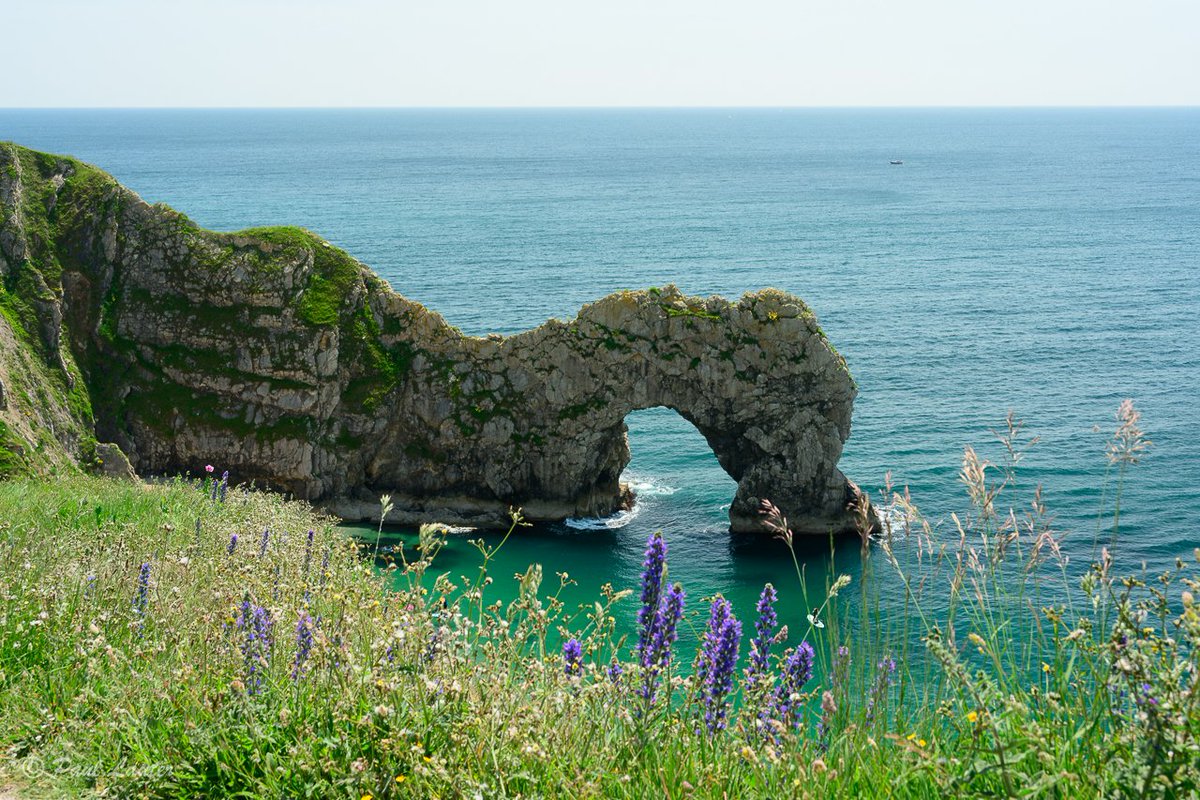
208,467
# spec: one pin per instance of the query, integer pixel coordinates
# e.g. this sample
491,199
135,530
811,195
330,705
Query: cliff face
278,356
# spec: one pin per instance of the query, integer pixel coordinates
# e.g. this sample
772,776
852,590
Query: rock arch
757,379
544,424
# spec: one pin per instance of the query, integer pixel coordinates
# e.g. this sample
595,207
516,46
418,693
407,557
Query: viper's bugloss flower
142,598
257,641
304,643
224,485
657,618
797,671
652,575
718,660
885,677
264,542
233,540
764,629
662,638
572,657
324,568
308,546
668,622
614,671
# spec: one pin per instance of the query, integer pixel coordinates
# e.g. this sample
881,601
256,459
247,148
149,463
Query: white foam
893,522
611,522
642,487
648,487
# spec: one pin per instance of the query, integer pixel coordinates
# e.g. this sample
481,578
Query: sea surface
1045,262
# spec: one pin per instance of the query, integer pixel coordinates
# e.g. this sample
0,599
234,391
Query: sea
1043,262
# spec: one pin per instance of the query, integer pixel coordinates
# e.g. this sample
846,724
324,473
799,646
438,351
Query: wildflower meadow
201,639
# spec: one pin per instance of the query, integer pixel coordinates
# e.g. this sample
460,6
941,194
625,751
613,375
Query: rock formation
280,357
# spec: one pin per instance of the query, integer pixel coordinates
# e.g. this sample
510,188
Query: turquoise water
1044,261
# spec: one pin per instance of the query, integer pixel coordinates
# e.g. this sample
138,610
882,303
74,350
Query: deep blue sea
1043,261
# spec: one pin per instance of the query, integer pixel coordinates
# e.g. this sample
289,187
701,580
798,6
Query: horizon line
915,107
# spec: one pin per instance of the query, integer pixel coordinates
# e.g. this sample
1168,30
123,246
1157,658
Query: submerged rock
280,357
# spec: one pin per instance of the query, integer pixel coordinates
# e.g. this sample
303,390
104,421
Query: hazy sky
600,53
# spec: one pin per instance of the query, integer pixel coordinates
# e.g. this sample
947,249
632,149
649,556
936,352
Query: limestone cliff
278,356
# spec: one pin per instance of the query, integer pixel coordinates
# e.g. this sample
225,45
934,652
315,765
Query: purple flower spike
142,599
797,671
652,575
233,540
304,643
572,657
257,626
718,660
657,618
308,546
885,677
663,636
764,629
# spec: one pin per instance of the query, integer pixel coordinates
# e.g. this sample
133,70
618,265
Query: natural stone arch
545,418
757,379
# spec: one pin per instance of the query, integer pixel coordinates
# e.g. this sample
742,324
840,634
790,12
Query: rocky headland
280,357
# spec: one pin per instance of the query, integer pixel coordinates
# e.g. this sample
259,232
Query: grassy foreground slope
185,640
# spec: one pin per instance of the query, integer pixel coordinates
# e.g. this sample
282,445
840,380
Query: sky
546,53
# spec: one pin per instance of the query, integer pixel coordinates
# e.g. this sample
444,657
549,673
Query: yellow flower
401,778
428,759
1147,631
368,796
972,716
911,737
1045,667
922,742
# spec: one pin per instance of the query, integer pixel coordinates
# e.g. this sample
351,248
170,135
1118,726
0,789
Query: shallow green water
690,496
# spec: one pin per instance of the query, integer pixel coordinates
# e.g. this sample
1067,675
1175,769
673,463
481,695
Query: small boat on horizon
895,162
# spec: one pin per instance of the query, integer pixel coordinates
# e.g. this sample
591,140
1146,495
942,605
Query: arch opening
671,458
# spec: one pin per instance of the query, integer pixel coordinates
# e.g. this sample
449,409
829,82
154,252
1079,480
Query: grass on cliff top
334,271
155,642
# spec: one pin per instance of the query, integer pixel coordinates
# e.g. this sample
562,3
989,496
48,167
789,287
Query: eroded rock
283,359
